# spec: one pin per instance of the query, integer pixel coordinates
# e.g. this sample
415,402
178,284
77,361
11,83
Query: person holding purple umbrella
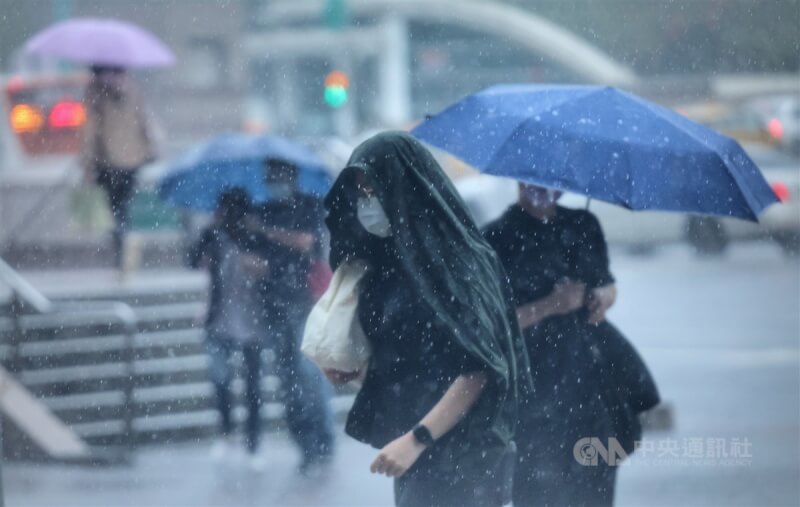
117,141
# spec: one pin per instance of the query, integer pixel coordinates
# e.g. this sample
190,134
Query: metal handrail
24,290
23,294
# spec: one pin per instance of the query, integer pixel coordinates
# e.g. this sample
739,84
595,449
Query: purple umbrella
96,41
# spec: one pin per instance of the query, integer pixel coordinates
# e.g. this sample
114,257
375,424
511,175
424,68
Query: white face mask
372,217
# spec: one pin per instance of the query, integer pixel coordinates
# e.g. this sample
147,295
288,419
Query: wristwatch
423,435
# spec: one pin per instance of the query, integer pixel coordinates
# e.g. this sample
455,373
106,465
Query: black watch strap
423,435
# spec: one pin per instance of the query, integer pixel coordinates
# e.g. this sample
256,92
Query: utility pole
394,79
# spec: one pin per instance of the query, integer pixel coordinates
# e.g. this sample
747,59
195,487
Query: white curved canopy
527,29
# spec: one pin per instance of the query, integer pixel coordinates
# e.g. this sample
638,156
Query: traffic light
336,87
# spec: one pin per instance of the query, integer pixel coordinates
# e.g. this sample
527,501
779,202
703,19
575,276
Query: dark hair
281,166
234,202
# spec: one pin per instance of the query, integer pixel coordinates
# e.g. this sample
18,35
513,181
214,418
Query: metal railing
26,299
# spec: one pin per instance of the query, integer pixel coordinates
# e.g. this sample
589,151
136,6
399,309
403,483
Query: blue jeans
220,349
306,393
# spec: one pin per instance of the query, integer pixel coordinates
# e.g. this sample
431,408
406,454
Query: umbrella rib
742,189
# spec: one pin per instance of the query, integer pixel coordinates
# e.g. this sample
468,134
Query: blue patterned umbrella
602,143
196,179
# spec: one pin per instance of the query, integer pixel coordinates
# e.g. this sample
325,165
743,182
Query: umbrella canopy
602,143
97,41
196,179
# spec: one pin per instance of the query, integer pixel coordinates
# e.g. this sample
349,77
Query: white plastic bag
333,336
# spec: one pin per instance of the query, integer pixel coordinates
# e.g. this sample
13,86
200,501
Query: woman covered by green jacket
440,394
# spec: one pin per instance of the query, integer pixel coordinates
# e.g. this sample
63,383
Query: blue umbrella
196,179
602,143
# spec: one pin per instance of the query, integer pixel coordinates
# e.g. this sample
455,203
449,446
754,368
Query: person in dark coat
439,397
290,225
588,380
235,317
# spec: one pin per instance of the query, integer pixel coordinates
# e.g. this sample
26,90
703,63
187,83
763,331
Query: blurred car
41,118
487,197
41,122
741,123
781,116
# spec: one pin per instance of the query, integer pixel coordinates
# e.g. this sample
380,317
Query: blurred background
261,66
713,304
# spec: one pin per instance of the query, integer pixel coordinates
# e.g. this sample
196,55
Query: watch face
423,436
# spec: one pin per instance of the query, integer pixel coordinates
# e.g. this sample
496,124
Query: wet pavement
722,336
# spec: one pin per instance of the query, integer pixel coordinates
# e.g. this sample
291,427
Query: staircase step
78,367
63,326
94,349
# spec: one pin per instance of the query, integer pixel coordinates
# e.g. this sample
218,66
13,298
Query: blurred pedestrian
290,224
235,319
116,143
439,397
588,380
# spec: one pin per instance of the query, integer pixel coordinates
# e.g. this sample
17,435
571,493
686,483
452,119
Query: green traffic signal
336,84
335,96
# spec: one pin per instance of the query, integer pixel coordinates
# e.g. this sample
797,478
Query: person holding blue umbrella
608,145
284,180
290,224
235,317
588,380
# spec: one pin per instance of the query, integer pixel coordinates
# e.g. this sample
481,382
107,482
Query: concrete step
138,288
158,250
160,317
77,365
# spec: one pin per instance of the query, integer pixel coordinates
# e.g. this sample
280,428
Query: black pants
556,479
119,185
483,480
220,350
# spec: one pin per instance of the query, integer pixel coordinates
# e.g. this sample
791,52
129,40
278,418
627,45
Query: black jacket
208,248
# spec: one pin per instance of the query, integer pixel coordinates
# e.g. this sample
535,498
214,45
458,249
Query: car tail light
775,129
26,118
14,85
67,114
781,191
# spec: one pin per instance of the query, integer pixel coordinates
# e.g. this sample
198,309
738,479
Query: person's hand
254,265
567,296
338,377
599,301
398,456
